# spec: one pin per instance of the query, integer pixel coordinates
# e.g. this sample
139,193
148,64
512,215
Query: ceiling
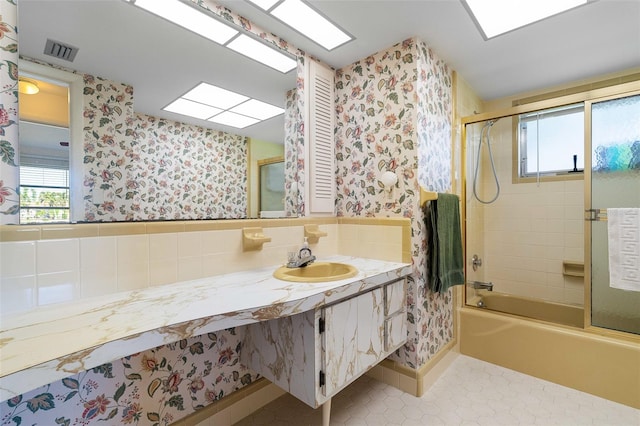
162,61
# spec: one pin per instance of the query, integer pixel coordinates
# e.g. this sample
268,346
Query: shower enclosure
535,222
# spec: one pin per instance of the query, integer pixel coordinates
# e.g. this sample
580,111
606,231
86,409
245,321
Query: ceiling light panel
313,25
214,96
257,109
495,17
192,109
234,120
212,103
260,52
264,4
189,18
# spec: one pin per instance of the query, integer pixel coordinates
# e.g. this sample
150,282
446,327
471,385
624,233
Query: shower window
551,142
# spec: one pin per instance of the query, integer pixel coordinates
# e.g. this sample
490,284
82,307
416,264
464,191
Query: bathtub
593,360
558,313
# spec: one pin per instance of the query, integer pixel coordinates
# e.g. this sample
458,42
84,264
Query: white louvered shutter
321,156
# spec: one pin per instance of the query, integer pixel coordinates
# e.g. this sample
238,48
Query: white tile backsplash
58,287
18,293
17,259
98,253
163,247
52,271
189,244
57,256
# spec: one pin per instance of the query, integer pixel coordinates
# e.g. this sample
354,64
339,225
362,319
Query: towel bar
427,196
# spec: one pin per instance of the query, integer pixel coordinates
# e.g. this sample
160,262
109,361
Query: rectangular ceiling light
307,21
257,109
208,102
254,49
189,18
495,17
192,109
234,120
264,4
214,96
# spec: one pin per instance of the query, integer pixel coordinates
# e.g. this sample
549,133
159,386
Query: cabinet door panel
339,344
395,331
370,329
395,297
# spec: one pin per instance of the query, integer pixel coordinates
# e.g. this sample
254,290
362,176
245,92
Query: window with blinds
44,194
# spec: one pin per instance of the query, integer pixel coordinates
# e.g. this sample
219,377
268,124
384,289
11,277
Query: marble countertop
49,343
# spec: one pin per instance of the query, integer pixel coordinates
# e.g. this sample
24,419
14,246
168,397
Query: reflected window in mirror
44,140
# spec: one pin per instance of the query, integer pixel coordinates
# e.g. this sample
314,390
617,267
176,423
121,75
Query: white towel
624,248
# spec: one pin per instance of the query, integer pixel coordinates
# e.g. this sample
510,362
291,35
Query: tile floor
469,392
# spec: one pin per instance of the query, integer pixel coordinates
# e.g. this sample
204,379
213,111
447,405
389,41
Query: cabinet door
353,340
339,344
370,329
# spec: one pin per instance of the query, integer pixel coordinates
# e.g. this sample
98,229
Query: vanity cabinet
315,354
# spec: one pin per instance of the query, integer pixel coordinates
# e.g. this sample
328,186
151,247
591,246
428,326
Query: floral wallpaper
9,172
294,147
393,112
138,167
435,112
154,387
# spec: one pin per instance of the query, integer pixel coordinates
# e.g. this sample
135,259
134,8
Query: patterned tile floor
469,392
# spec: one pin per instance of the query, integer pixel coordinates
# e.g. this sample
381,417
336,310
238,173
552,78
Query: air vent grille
60,50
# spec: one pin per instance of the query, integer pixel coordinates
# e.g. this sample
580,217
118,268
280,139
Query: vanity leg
326,412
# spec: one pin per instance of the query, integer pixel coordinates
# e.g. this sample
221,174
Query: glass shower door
615,183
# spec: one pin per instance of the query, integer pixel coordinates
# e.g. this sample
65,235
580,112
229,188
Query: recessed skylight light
192,109
205,102
262,53
189,18
495,17
264,4
214,96
307,21
257,109
234,120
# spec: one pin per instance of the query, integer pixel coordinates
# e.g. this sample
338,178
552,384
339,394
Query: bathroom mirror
143,62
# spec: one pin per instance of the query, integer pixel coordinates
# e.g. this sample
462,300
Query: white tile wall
132,263
42,272
526,234
98,260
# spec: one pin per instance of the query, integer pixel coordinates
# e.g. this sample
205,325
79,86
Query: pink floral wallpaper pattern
9,154
154,387
138,167
393,113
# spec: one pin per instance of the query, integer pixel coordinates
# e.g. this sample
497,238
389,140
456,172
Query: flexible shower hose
493,167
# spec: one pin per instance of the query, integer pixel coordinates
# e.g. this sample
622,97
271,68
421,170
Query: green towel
445,264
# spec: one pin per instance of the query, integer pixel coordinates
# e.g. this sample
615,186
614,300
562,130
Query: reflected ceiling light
212,103
264,4
254,49
189,18
27,87
257,109
214,96
310,23
192,109
495,17
234,120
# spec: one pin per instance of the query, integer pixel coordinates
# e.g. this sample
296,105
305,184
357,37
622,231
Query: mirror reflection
271,187
132,160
